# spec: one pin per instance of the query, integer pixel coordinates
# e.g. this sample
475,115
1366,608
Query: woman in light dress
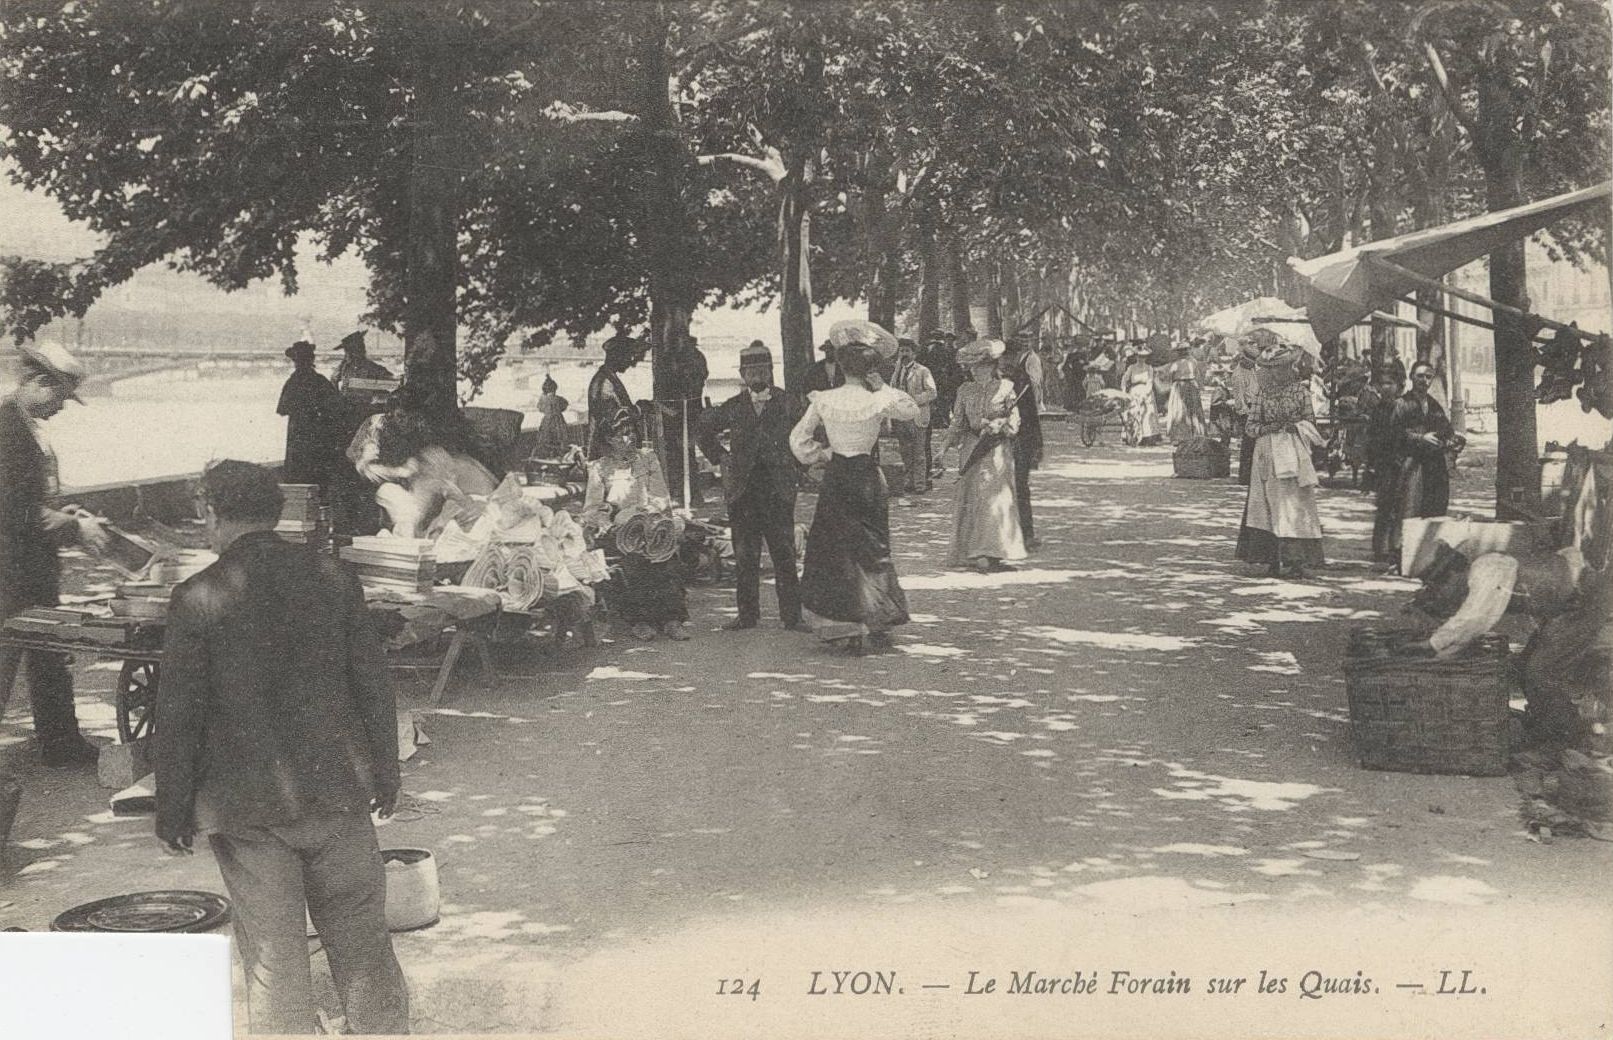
1184,414
1281,526
985,517
847,576
1138,383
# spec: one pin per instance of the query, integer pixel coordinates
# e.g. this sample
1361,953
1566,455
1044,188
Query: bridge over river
108,367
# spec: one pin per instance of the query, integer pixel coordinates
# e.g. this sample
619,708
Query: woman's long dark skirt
641,592
847,574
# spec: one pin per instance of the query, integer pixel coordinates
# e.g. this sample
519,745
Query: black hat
302,350
351,340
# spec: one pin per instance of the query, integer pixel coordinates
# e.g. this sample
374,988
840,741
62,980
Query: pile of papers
304,519
403,564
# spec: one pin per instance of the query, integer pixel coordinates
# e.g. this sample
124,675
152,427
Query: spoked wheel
137,700
1089,433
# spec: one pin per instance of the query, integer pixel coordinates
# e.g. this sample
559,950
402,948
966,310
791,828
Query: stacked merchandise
75,626
397,564
303,519
531,554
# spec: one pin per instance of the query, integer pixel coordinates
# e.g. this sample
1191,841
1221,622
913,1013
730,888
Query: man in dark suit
30,534
1028,445
825,374
279,736
760,475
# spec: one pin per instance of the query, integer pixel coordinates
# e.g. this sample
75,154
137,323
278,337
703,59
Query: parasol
1348,285
864,333
1289,324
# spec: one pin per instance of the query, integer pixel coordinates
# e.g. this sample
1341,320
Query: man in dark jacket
1028,445
30,534
278,737
759,475
825,374
315,418
608,396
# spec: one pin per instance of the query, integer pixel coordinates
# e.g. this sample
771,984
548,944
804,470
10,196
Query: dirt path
1127,734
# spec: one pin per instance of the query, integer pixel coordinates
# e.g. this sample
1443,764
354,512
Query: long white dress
985,516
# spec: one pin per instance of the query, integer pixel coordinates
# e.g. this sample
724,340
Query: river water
175,422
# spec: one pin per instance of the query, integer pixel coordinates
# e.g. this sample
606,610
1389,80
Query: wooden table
410,620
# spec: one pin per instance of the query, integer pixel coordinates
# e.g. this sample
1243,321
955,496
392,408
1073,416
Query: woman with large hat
847,578
985,514
627,508
1281,526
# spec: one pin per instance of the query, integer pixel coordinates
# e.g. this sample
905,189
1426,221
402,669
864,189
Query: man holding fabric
30,533
759,475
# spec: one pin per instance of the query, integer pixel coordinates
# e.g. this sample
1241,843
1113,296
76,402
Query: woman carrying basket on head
847,577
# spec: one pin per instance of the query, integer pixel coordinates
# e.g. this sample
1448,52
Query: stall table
407,621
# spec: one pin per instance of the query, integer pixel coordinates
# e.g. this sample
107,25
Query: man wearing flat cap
315,417
30,533
759,475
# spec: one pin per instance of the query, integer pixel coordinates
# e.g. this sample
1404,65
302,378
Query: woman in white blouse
847,577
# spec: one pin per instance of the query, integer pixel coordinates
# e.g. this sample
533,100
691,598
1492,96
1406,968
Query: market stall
413,626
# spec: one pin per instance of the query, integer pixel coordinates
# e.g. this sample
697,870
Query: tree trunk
431,247
991,298
1517,476
930,289
883,235
1517,471
667,228
1014,311
1381,207
958,278
795,288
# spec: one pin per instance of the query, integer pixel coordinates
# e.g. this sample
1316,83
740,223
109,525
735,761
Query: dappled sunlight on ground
1129,722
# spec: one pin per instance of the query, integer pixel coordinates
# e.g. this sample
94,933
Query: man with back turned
278,737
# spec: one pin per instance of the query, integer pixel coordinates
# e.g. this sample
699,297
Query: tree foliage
1144,161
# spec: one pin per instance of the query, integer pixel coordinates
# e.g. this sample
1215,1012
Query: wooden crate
1412,713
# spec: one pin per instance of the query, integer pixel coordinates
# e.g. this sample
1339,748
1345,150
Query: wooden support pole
1421,281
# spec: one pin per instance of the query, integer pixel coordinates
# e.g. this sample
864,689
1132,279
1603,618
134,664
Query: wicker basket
1201,466
1411,713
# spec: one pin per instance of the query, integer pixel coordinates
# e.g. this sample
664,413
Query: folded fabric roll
487,570
632,533
662,539
524,579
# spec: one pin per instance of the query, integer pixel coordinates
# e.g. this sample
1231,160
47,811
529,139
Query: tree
214,136
1525,82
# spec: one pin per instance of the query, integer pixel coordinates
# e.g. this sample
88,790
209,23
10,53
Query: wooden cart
135,694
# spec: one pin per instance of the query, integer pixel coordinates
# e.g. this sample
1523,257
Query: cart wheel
1089,434
137,700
